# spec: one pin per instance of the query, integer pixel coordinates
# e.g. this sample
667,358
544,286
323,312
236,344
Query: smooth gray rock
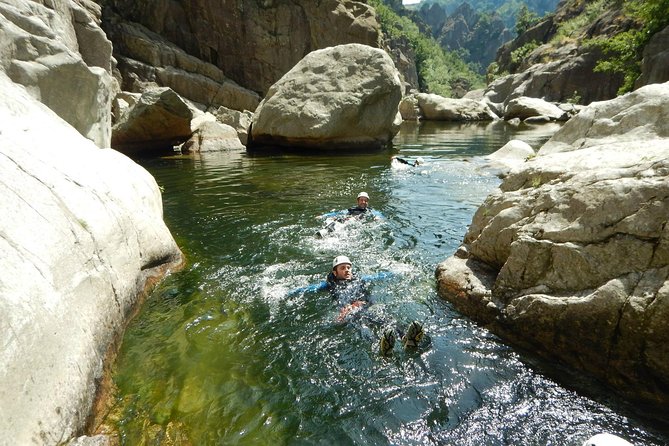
525,108
409,108
213,137
340,97
511,155
240,121
82,238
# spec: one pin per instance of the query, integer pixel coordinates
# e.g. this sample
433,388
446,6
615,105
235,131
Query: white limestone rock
81,238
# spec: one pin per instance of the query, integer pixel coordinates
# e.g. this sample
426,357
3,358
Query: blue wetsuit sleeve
320,286
378,276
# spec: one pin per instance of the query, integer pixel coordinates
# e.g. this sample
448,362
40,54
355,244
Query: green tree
623,52
439,71
525,19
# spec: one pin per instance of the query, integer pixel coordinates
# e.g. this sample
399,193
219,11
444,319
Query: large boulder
340,97
438,108
512,154
82,240
212,136
570,257
240,121
157,121
57,50
524,108
655,63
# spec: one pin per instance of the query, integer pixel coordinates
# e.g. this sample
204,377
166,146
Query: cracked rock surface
570,258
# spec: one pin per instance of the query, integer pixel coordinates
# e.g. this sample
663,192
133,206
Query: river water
222,353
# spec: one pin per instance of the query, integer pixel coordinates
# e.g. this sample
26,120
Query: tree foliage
439,71
525,19
625,50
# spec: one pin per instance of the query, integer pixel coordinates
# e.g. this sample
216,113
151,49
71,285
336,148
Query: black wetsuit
345,292
370,322
359,212
403,161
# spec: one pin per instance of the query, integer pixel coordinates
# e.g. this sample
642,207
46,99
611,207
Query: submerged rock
570,257
341,97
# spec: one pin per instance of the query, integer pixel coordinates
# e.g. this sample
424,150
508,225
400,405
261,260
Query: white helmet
363,194
339,260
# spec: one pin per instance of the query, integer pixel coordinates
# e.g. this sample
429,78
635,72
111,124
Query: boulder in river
341,97
159,120
438,108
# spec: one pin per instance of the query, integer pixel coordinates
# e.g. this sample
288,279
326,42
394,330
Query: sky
410,2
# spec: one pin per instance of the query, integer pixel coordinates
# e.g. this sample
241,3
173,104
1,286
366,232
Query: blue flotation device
323,285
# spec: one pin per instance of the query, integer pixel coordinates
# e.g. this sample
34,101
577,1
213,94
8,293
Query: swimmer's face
362,202
343,271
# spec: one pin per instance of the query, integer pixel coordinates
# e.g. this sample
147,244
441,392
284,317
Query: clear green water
221,356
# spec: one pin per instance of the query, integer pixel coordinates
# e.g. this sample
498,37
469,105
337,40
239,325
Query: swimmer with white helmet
352,296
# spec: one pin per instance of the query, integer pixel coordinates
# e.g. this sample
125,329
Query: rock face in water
340,97
82,238
571,257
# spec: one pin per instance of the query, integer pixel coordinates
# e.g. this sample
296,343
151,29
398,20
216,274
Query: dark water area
223,354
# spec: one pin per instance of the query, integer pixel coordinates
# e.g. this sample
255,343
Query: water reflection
222,355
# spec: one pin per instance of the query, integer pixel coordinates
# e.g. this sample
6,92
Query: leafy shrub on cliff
625,50
572,29
439,71
519,54
525,19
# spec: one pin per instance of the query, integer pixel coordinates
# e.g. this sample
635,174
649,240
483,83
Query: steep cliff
252,43
560,57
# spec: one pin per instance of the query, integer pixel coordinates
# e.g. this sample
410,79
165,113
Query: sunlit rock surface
158,120
439,108
58,51
81,238
570,257
340,97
